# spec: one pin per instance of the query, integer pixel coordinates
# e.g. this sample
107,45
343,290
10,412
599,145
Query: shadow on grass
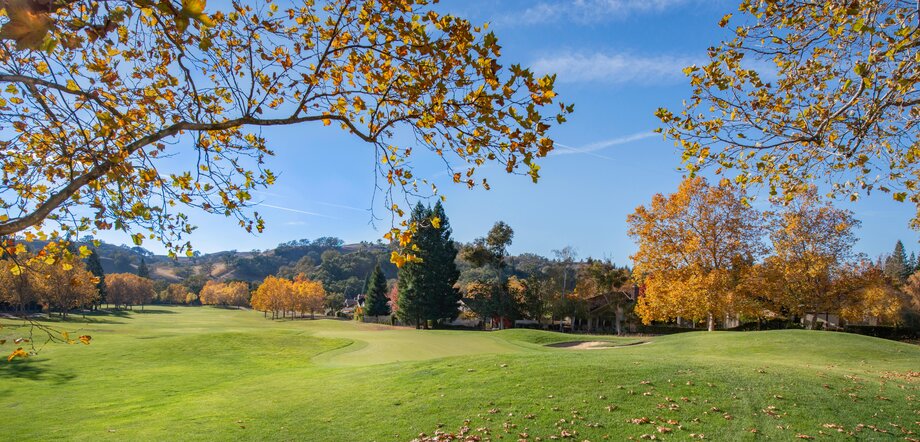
90,317
153,311
34,370
78,319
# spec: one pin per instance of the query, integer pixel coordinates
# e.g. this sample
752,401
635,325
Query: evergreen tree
94,266
411,276
911,264
442,301
896,265
367,282
375,299
142,269
426,288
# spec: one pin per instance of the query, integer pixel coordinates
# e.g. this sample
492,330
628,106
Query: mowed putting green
216,374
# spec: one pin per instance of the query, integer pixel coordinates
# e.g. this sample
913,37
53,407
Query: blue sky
616,60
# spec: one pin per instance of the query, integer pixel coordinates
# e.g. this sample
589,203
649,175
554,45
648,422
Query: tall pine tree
444,298
94,266
375,298
426,288
411,275
896,265
142,269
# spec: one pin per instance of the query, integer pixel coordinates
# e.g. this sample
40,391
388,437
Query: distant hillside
342,267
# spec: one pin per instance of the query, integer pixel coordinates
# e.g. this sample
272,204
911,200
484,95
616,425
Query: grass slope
206,374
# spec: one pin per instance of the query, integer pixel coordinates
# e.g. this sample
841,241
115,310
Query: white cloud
591,149
613,68
588,11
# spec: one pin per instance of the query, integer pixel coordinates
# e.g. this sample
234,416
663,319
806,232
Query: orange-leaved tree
691,244
174,294
97,94
16,281
127,289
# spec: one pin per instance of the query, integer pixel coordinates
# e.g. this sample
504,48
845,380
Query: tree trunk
712,323
619,319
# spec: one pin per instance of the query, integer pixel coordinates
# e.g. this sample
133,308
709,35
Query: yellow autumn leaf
18,353
193,8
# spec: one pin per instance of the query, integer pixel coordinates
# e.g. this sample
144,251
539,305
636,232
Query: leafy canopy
96,95
809,91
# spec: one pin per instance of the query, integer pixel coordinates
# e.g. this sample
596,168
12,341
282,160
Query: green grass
214,374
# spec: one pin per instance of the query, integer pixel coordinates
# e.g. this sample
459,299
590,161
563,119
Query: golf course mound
200,373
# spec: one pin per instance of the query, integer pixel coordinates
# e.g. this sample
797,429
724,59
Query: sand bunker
591,345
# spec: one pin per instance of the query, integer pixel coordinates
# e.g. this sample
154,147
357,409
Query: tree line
706,255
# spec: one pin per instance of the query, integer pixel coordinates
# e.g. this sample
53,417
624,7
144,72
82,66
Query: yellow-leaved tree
806,91
270,296
96,94
812,246
234,293
692,245
871,297
63,286
309,295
